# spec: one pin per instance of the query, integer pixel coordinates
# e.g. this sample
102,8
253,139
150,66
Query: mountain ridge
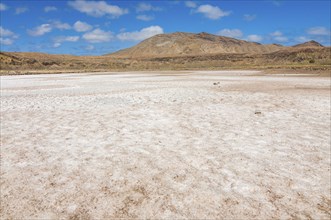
183,43
177,51
310,43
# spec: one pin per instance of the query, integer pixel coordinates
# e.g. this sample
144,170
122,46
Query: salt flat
226,144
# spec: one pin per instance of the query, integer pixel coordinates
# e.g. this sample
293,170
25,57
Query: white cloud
6,33
98,36
71,38
46,28
3,7
97,8
302,39
318,31
236,33
21,10
142,7
50,8
6,36
40,30
80,26
145,17
6,41
212,12
278,36
55,45
59,40
248,17
60,25
254,38
140,35
190,4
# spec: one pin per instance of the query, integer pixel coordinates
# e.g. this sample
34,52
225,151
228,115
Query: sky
82,27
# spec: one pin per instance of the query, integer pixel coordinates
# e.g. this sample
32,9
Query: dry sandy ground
145,145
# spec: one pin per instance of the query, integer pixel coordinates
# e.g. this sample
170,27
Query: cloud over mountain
140,35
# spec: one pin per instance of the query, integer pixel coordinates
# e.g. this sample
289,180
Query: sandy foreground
226,144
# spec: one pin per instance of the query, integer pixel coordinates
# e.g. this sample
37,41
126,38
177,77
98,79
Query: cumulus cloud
80,26
6,33
248,17
3,7
278,36
50,8
6,36
236,33
55,45
142,7
254,38
46,28
98,36
68,38
140,35
212,12
61,26
318,31
59,40
21,10
145,17
6,41
40,30
190,4
97,8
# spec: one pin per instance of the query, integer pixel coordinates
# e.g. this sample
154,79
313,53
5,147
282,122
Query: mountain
180,43
177,51
311,43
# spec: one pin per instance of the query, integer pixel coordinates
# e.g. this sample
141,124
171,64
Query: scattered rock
258,112
216,83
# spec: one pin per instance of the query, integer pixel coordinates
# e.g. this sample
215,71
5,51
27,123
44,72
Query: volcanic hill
311,43
177,51
180,43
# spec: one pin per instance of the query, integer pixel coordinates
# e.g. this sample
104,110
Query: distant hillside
50,62
311,43
177,51
179,44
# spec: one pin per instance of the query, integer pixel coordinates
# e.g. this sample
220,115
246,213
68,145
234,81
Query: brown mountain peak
182,44
311,43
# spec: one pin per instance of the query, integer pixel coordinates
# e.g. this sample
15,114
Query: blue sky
82,27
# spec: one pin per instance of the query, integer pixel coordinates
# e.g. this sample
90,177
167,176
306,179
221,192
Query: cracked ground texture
202,145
